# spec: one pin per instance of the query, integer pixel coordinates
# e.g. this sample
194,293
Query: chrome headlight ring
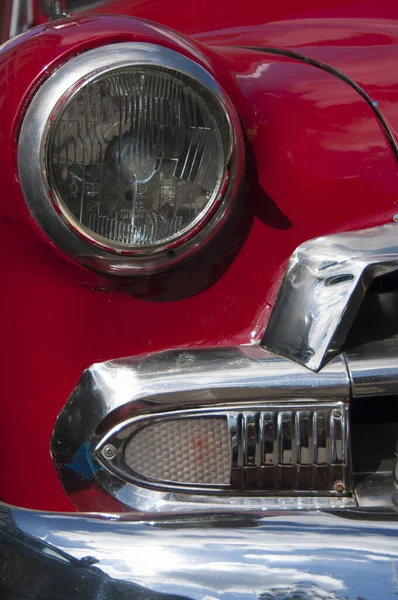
37,178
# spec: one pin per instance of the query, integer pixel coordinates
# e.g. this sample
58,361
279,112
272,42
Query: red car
198,219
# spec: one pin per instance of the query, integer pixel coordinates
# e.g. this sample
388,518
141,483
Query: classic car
199,225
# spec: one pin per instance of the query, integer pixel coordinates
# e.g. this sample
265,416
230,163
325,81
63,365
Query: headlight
129,156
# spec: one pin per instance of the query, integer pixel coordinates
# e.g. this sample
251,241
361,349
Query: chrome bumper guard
325,282
288,430
305,555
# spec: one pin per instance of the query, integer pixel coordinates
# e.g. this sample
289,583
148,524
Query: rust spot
252,131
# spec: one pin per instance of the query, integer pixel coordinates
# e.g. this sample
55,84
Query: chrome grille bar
290,449
252,387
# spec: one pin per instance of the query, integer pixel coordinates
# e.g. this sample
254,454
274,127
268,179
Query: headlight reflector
140,152
137,158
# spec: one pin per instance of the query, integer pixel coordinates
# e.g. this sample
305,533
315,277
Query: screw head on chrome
337,413
339,487
109,451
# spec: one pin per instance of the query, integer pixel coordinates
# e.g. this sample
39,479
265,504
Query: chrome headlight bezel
36,182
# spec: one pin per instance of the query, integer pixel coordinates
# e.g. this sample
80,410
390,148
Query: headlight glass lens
138,157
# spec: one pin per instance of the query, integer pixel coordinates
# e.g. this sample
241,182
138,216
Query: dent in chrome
324,284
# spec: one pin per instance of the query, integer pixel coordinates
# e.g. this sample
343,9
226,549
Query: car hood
223,15
363,50
357,39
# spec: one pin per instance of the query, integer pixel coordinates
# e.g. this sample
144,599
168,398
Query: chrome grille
299,449
293,448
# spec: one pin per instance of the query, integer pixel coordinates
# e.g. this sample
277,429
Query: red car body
316,89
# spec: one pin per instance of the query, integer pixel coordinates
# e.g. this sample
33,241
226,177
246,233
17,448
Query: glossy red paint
318,162
208,16
358,38
365,51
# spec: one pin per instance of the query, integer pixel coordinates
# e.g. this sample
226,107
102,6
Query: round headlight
129,156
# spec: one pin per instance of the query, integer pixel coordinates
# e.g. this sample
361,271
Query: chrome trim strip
373,369
14,18
88,6
15,12
29,10
347,554
32,160
324,284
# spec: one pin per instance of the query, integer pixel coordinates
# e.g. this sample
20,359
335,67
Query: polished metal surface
57,11
34,135
244,383
324,284
296,448
377,490
348,555
110,393
21,12
303,448
373,369
15,11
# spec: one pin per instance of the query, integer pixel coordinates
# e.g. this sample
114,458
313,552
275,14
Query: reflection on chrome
307,555
324,284
114,396
223,380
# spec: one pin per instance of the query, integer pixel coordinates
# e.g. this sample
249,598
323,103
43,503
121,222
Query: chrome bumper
348,554
240,384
